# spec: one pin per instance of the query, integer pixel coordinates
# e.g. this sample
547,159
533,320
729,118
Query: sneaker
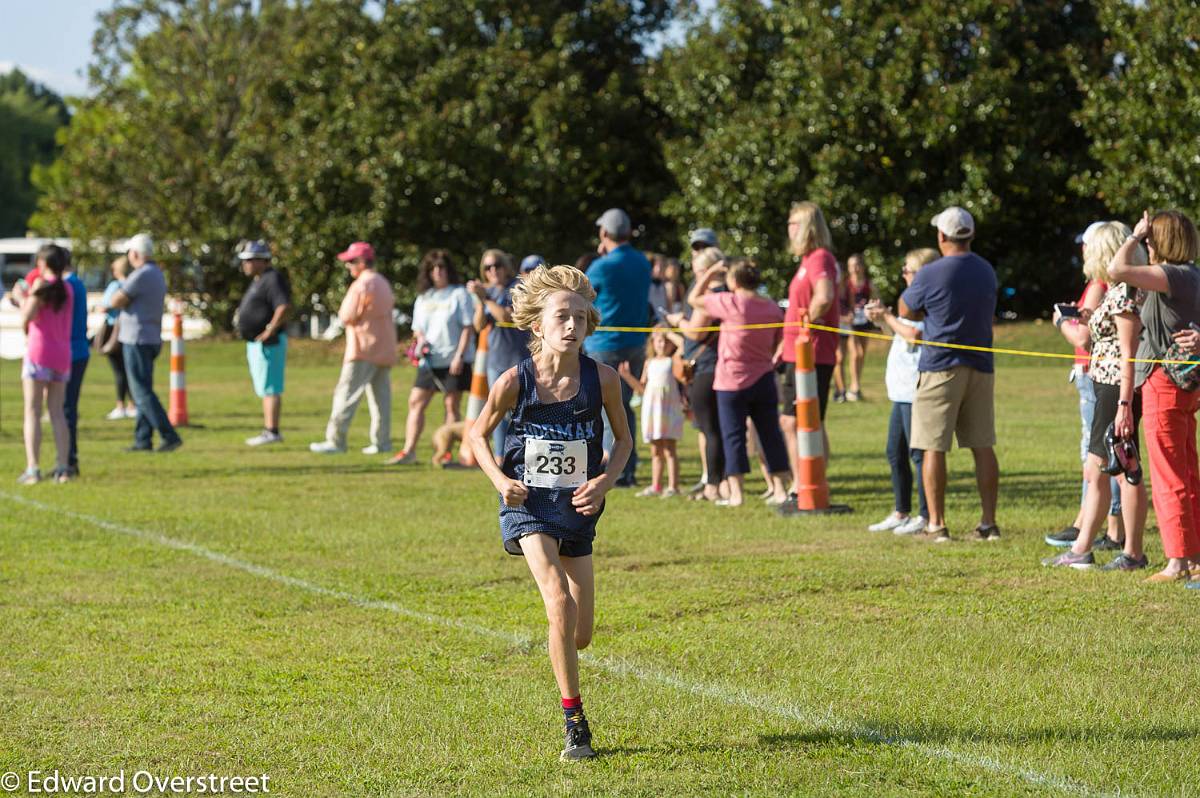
912,525
169,446
374,449
578,743
697,489
136,448
30,476
1105,543
116,414
1123,562
649,491
670,493
264,437
838,396
131,412
853,396
403,457
325,447
61,475
1064,538
931,535
1069,559
891,522
986,533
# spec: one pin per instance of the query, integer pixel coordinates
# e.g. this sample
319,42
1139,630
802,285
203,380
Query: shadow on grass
947,735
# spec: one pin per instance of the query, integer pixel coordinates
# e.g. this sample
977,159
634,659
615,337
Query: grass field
351,630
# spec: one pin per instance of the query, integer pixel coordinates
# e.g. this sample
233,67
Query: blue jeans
759,403
71,406
635,356
1087,410
898,454
493,373
139,368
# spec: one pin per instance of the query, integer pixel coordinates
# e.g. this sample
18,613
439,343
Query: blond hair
1102,244
501,258
706,258
530,294
812,232
914,259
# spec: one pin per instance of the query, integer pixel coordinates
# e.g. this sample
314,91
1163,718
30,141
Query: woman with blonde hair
553,480
107,343
812,296
1169,399
1074,329
1111,334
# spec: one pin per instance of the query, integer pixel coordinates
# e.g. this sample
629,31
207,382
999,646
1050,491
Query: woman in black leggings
701,348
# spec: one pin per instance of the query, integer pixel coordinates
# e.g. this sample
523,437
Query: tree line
514,123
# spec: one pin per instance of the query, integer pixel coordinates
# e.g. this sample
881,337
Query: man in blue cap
621,278
260,320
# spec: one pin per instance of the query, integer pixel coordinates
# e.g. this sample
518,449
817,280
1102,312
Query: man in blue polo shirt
621,277
956,297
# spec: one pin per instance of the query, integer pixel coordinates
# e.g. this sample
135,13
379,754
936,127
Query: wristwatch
1122,403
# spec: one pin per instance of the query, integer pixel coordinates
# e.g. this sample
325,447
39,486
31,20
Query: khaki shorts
958,401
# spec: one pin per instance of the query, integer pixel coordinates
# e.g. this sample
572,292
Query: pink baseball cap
358,250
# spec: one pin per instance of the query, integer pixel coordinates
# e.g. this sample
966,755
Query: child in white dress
662,412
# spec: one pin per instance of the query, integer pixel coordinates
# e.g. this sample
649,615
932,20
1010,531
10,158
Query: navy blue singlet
549,510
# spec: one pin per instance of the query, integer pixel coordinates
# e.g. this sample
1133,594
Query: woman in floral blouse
1113,330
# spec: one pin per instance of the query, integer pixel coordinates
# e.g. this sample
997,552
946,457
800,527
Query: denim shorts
32,371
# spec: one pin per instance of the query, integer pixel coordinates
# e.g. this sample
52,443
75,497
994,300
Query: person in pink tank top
46,316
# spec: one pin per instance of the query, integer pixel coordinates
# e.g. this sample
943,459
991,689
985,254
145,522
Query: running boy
553,480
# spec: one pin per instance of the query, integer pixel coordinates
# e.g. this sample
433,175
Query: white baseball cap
1085,237
142,244
954,222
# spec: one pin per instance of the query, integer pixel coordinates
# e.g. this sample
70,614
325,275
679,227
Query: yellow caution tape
878,336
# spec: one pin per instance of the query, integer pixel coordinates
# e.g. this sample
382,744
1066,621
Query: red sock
572,703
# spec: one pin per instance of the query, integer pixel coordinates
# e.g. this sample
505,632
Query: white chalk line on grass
732,696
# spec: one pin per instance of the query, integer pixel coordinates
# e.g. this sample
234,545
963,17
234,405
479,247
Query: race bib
555,464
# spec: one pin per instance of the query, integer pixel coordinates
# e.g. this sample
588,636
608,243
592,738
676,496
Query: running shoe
986,532
1123,562
891,522
403,457
325,447
1064,538
913,525
62,474
1105,543
1069,559
649,491
30,476
374,449
169,446
264,437
116,414
578,743
853,396
931,535
670,493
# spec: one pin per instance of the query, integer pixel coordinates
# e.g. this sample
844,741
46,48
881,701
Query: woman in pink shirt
46,316
745,379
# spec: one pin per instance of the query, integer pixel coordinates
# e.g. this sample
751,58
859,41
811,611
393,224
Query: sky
49,40
27,26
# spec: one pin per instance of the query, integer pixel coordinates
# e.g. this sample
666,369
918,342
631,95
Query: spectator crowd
701,340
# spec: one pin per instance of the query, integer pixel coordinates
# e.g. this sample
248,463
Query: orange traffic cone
479,394
177,411
812,488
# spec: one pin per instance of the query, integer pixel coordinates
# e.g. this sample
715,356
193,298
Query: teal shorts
266,365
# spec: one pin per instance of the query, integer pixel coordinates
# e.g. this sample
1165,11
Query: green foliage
883,113
1141,114
462,125
29,116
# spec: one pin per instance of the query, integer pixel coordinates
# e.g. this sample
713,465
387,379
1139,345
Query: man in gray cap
260,321
621,278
